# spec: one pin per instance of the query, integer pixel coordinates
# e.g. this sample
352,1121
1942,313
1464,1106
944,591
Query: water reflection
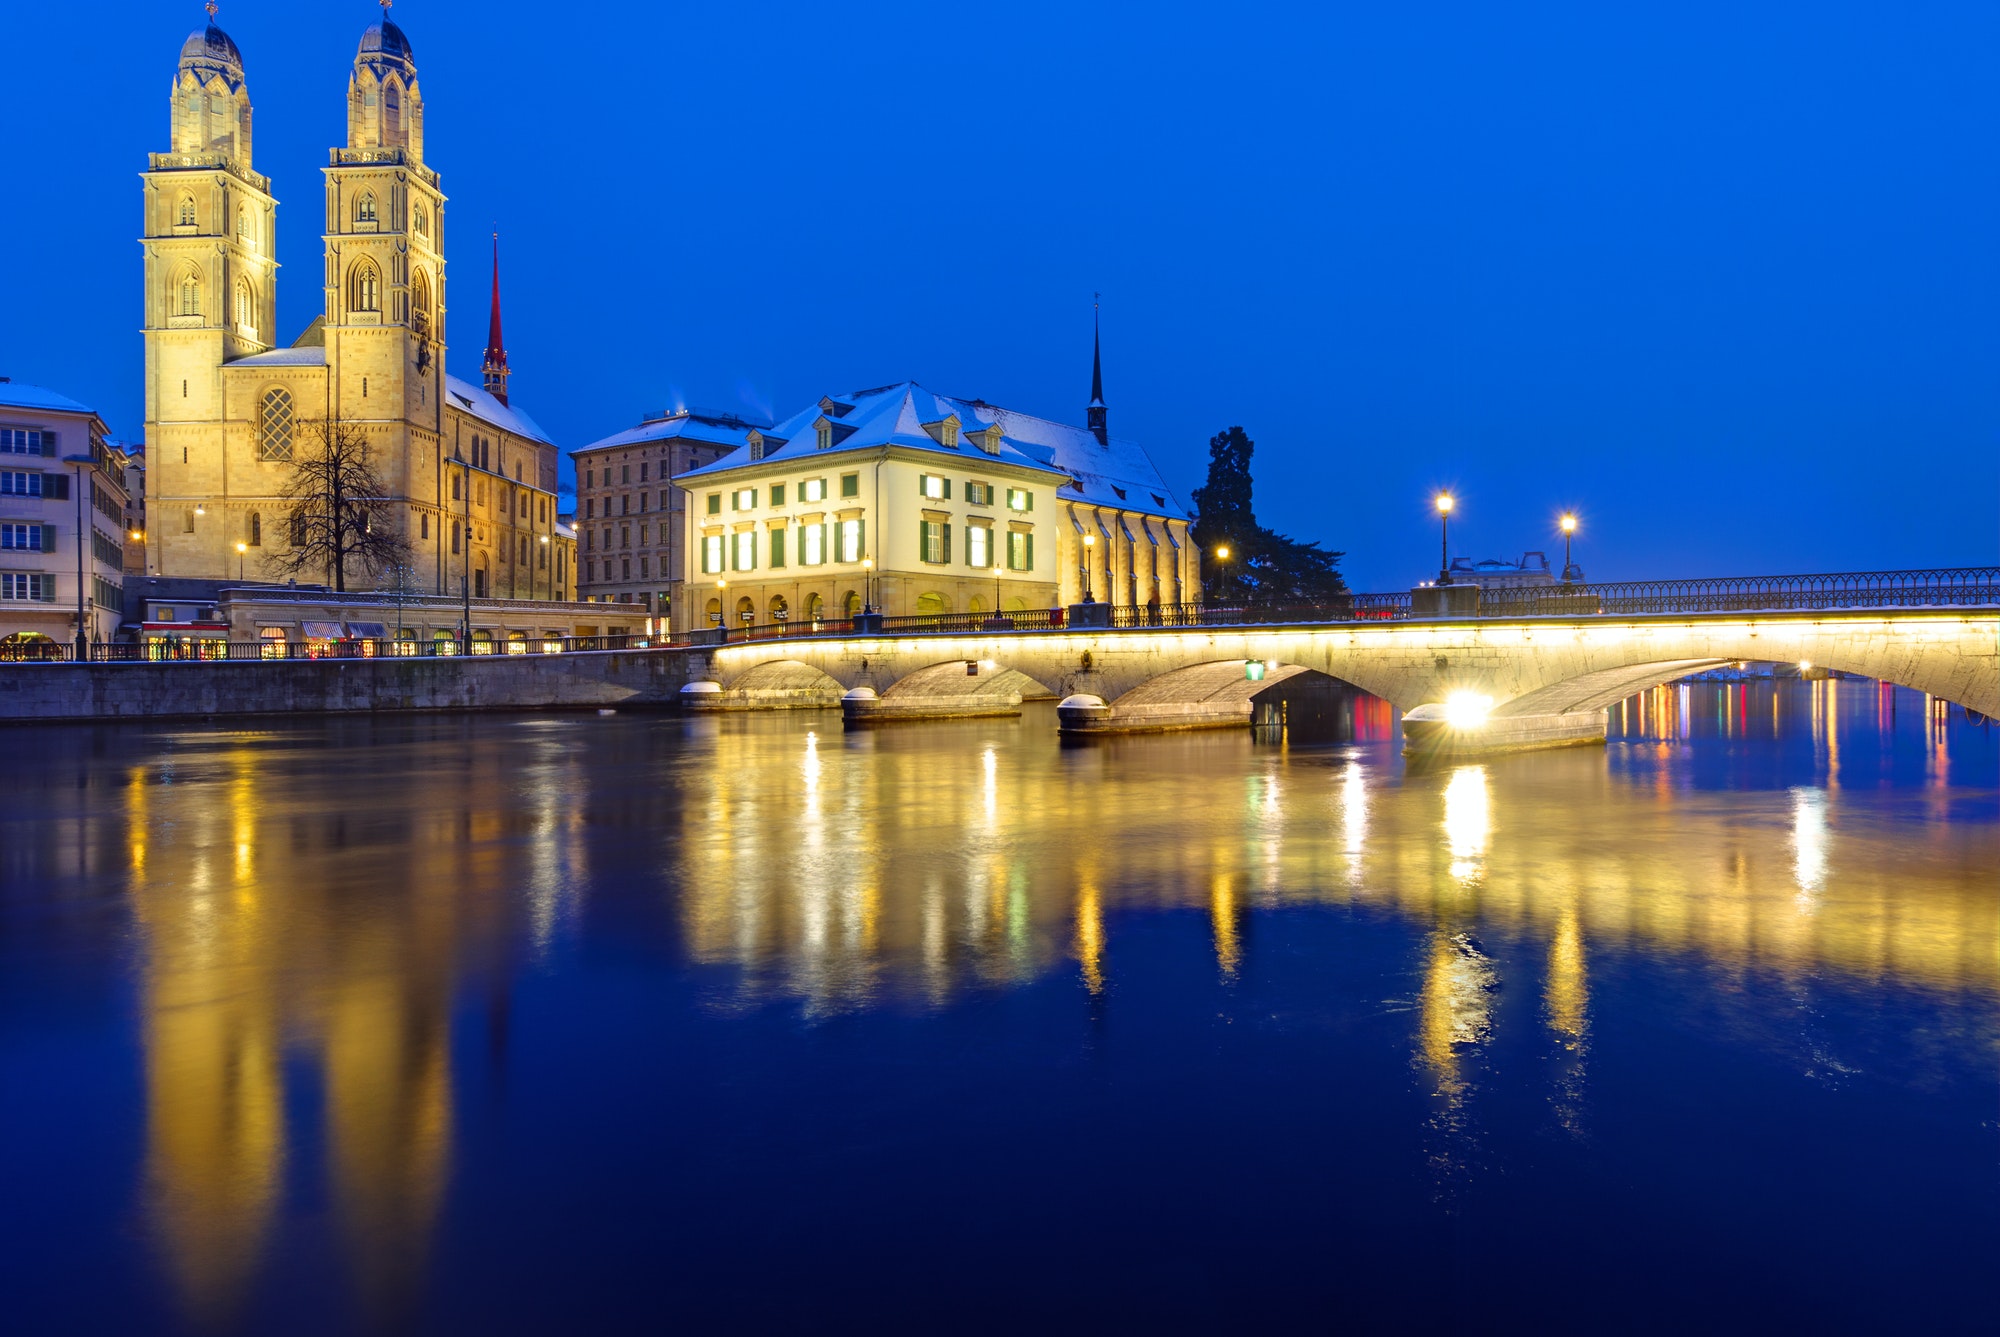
309,915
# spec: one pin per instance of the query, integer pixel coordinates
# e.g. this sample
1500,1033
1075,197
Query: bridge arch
1212,694
778,684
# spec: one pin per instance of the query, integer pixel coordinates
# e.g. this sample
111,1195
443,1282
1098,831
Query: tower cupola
384,108
210,109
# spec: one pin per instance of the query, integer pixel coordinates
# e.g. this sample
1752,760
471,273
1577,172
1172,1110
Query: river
589,1023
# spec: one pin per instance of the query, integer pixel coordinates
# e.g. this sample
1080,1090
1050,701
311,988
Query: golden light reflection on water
290,918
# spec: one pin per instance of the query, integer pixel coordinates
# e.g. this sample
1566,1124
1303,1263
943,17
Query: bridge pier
1085,713
1430,731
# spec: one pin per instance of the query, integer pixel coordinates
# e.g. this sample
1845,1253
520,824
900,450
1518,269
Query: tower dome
384,42
211,51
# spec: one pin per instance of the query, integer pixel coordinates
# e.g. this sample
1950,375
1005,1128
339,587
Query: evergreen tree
1225,517
1262,566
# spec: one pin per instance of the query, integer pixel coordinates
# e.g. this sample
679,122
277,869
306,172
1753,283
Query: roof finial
211,8
385,6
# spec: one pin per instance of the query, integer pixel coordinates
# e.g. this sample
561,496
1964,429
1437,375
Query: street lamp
722,603
1569,532
868,584
997,569
241,549
1089,542
1444,505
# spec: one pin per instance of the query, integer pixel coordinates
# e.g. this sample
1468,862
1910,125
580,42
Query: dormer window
756,445
833,408
989,440
944,431
823,431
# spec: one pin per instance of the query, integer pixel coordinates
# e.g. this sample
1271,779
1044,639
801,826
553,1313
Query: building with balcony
62,523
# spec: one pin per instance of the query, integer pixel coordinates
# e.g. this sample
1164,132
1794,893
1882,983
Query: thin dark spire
1097,412
495,367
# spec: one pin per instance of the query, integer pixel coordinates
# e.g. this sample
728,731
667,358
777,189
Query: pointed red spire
495,368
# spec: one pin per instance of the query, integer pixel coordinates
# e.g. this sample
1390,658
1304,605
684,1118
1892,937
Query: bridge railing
1953,587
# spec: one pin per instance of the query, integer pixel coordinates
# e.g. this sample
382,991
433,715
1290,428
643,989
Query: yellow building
913,502
471,479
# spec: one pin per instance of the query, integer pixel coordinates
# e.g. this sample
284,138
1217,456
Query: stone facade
62,498
472,480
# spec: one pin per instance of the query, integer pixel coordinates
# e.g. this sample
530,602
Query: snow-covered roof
311,355
1116,473
18,395
485,407
722,429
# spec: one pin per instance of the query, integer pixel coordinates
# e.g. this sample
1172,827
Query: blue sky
1724,278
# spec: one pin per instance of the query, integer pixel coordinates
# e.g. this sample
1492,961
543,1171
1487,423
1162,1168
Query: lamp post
82,622
1221,556
241,550
1444,505
868,584
1089,542
722,604
1569,532
997,569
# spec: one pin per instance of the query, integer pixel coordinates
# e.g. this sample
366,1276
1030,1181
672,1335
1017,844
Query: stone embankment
44,693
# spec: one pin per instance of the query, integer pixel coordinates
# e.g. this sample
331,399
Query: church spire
495,368
1097,414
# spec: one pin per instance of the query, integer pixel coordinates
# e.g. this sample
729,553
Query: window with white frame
21,538
21,441
813,489
812,545
850,541
978,546
936,488
936,547
27,585
745,499
979,494
1020,499
711,553
14,483
746,550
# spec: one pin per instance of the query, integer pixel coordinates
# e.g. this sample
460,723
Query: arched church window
392,109
274,426
246,306
186,214
420,300
366,294
256,530
420,219
190,293
242,223
364,208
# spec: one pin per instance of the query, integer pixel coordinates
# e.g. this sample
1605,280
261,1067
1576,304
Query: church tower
494,370
384,239
210,267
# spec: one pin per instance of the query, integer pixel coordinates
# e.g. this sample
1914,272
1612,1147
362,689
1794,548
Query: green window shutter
944,552
777,548
861,536
55,486
48,589
48,538
923,540
1029,493
947,489
1028,542
49,444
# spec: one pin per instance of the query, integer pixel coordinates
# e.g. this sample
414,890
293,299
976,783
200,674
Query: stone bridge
1471,684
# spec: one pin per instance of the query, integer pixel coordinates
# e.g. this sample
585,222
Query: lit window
746,499
711,553
1020,499
978,546
746,551
812,545
813,489
850,541
936,488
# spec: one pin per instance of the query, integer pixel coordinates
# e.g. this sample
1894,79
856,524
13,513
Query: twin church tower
472,479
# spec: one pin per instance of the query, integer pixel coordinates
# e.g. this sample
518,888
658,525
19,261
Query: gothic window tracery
189,303
366,288
186,213
274,426
246,306
364,208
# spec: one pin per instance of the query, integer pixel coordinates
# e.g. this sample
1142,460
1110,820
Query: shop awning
368,631
320,631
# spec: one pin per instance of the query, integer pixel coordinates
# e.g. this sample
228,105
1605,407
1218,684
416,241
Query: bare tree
337,513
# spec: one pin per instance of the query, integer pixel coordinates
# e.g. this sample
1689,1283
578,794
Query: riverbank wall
50,693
